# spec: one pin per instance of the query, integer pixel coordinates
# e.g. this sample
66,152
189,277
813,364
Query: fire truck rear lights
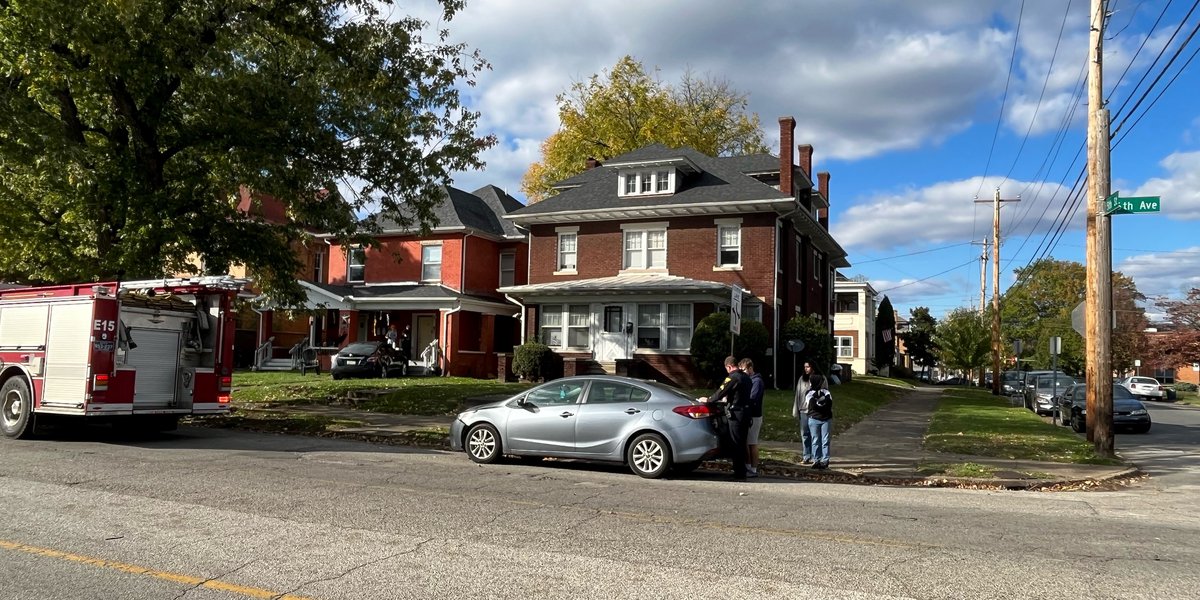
100,382
223,399
226,383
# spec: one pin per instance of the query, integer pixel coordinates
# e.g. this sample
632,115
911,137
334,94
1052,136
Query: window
631,184
845,346
847,303
611,392
567,244
649,330
729,245
645,182
799,262
614,320
508,269
318,264
646,249
556,394
679,326
551,325
577,326
431,263
817,266
752,311
662,181
356,264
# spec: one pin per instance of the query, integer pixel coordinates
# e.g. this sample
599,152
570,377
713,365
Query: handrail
263,353
297,352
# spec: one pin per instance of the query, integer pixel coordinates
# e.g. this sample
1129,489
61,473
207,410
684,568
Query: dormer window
638,183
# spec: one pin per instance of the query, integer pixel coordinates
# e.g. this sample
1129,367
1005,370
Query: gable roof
719,182
482,211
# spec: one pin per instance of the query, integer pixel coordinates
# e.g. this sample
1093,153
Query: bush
531,361
710,345
1184,386
818,343
901,372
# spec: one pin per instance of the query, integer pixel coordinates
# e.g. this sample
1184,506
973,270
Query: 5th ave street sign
1116,205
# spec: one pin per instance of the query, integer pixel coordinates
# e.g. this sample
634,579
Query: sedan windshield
1143,380
1048,383
359,349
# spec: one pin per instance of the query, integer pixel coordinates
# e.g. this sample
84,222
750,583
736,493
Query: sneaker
807,461
752,473
822,466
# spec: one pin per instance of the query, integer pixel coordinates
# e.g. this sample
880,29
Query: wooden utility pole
997,380
982,274
1098,308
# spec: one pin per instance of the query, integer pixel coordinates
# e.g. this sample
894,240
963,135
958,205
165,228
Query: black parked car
367,359
1128,412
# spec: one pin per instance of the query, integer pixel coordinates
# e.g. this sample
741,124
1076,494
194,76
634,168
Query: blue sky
902,102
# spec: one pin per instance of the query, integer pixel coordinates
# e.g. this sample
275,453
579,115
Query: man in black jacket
735,393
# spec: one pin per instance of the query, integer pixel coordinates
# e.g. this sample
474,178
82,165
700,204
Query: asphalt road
224,514
1170,452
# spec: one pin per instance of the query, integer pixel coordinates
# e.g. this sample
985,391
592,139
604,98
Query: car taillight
695,411
100,382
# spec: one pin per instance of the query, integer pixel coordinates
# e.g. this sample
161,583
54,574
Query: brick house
441,285
630,255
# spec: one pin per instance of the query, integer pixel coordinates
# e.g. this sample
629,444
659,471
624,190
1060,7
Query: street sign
1055,346
735,311
1077,322
1116,205
1018,346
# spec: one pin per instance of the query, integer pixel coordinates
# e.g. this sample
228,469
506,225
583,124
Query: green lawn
977,423
1187,398
400,395
851,402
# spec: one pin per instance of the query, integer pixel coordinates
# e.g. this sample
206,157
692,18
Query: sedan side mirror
521,401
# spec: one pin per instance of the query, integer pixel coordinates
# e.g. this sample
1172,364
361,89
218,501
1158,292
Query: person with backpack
820,417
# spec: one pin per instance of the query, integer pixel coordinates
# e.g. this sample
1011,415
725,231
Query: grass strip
975,422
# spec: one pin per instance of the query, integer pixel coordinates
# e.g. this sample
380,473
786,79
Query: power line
896,287
1004,100
863,262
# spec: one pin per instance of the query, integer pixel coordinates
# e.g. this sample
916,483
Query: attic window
640,183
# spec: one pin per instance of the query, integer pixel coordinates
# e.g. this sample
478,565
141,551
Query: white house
854,321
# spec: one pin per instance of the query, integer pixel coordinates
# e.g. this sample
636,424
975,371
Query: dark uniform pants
739,430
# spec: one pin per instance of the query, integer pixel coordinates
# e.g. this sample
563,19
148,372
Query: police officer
735,392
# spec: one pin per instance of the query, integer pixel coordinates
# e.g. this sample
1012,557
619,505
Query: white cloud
1180,190
943,213
1164,273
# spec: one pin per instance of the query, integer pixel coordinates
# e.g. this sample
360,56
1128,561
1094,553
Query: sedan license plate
350,361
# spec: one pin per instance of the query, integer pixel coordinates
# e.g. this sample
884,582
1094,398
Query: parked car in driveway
1145,387
647,425
1128,412
366,359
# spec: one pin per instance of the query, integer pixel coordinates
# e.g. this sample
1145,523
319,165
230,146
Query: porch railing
263,353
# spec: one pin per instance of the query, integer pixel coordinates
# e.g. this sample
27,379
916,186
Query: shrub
531,361
1184,386
818,343
710,345
901,372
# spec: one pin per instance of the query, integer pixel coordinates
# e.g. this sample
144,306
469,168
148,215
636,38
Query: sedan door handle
632,411
566,414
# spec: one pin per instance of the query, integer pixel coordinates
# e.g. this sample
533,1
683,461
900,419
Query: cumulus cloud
1181,186
943,212
1169,274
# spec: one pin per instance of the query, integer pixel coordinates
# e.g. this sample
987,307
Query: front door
425,327
612,341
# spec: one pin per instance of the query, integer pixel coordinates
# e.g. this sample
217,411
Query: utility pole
997,380
1098,308
983,256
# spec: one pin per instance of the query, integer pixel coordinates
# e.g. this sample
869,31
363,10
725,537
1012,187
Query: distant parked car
1047,388
1128,412
955,381
644,424
1145,387
367,359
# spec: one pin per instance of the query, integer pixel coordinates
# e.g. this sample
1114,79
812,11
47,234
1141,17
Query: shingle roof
481,211
752,163
719,181
400,290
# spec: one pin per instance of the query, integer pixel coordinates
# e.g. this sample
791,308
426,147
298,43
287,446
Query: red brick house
630,255
442,285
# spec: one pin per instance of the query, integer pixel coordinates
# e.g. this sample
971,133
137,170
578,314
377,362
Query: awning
404,296
647,287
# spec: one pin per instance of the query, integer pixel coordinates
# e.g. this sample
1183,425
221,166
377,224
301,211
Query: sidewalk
885,448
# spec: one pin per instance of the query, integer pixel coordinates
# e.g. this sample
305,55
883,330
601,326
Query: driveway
1169,451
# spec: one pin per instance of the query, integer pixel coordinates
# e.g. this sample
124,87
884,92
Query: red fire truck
138,353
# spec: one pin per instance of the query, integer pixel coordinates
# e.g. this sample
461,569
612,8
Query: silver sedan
645,424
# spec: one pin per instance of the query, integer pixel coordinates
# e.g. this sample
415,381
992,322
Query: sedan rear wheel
649,455
483,444
1077,424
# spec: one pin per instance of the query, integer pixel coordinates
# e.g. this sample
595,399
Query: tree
919,339
130,127
710,345
1181,344
885,335
964,340
1038,307
818,342
625,109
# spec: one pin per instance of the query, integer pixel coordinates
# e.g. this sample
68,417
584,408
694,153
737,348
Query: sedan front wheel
649,455
483,444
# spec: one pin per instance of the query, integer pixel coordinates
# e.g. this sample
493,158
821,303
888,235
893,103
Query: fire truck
137,353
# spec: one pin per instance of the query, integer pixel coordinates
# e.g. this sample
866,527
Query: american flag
887,336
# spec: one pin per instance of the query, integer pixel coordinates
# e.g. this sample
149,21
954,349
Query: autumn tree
624,109
919,339
1180,344
964,340
1038,307
130,126
885,335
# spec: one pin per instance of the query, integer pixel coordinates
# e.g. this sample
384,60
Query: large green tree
1038,307
964,340
885,334
625,109
919,339
1180,344
129,128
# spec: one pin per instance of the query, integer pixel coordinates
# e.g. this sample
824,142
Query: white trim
664,225
440,248
727,268
720,245
558,251
727,221
567,229
654,271
567,272
349,264
652,351
643,230
629,212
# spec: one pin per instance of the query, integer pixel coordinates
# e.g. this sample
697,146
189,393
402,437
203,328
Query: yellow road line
213,584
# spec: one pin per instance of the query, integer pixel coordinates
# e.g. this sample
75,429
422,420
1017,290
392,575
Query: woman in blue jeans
820,415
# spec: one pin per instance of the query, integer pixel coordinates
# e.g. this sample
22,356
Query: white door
425,331
156,359
612,341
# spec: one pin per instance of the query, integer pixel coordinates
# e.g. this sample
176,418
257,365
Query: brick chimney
592,163
805,154
787,134
823,187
